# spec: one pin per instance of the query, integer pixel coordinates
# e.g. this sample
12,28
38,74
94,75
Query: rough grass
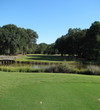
35,91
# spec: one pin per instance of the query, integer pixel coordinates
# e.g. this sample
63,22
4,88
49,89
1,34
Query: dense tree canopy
44,48
15,40
92,42
60,45
77,42
71,43
83,43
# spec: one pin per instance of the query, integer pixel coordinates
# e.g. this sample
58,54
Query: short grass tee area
43,91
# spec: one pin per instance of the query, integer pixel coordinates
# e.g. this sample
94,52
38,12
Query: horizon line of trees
83,43
16,40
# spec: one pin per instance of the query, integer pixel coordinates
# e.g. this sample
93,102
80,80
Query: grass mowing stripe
26,91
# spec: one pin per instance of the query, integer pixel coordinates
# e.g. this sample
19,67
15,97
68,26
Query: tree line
16,40
82,43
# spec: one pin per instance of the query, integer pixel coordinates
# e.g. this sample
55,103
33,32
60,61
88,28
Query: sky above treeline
49,18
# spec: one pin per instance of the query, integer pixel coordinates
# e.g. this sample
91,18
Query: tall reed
20,69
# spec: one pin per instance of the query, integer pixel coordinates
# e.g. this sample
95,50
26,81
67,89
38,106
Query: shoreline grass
20,69
57,64
59,68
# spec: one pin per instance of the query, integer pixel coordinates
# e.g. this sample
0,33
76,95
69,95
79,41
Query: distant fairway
39,91
46,58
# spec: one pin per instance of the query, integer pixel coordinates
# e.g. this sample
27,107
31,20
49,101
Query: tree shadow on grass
50,58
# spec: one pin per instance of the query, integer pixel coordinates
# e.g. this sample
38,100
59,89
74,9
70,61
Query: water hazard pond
52,68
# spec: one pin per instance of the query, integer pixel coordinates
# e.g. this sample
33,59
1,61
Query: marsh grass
54,68
94,69
60,68
52,64
20,69
76,69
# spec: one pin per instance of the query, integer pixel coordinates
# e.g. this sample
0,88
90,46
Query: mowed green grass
46,58
43,91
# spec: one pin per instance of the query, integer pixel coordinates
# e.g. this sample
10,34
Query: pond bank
45,63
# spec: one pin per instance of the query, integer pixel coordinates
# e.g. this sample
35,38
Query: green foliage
41,48
71,43
60,45
15,40
83,43
91,42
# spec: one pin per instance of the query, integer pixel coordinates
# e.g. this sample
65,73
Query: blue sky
49,18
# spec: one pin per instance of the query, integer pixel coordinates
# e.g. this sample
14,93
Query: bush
60,68
94,69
